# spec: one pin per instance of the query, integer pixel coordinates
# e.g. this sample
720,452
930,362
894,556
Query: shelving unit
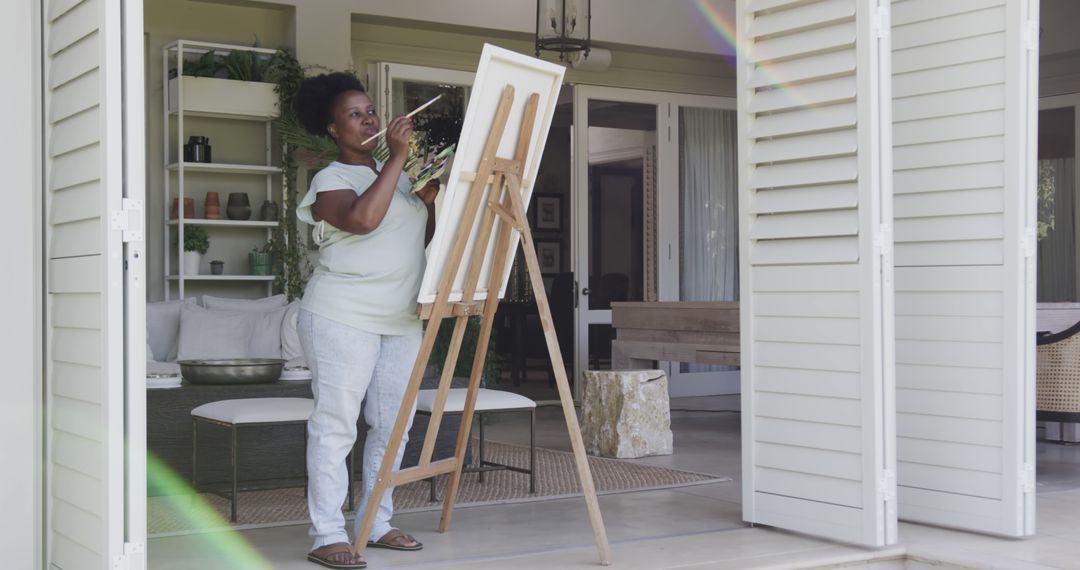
187,97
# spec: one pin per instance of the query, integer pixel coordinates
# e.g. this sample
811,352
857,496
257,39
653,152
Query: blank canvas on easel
498,68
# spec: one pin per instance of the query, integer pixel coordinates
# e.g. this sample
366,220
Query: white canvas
498,68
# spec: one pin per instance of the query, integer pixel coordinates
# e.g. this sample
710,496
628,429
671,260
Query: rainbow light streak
723,36
225,545
721,33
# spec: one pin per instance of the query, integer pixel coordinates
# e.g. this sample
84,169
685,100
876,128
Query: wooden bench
700,332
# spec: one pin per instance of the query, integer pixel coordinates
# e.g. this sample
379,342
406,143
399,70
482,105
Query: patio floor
691,527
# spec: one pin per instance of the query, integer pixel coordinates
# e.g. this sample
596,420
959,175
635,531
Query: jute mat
556,477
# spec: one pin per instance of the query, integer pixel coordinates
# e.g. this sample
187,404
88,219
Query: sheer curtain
1057,251
708,209
708,205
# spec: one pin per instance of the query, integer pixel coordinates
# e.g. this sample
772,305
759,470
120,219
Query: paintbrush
413,112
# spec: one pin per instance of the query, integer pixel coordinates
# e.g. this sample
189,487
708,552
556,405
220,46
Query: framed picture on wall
548,212
549,252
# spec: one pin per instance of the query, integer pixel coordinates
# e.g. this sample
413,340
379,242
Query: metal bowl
232,371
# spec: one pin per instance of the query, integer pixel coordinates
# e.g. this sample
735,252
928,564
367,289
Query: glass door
401,88
655,215
615,212
1059,241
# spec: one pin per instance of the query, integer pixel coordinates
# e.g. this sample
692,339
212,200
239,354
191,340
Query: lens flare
720,31
777,78
225,544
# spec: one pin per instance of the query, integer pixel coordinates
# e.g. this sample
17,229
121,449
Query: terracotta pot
212,206
189,208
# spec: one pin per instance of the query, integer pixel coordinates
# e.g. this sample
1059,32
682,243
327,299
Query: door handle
585,291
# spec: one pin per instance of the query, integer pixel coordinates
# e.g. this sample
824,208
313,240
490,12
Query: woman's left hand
429,192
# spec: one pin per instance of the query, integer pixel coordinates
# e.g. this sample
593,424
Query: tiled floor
693,527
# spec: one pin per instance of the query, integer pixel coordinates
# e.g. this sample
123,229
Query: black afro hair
315,99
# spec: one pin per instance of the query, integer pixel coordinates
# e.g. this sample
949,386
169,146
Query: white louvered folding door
964,108
815,275
95,362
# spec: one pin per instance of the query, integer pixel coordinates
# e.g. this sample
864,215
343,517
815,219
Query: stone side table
626,413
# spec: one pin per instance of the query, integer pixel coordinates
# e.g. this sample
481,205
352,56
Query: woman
357,322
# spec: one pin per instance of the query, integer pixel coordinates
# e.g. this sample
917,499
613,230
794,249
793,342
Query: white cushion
230,304
155,367
290,336
210,334
163,326
256,410
486,400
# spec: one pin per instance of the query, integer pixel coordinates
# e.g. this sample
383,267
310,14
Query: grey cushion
214,334
162,328
229,304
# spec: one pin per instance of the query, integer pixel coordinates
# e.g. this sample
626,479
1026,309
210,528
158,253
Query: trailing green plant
291,265
196,239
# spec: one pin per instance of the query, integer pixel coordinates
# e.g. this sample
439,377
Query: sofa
216,327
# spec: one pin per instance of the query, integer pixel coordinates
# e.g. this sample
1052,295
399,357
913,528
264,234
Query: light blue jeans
347,363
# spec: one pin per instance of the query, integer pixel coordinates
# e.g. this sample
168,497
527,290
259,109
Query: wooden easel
505,211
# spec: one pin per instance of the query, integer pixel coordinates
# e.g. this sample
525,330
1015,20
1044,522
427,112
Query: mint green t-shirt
367,281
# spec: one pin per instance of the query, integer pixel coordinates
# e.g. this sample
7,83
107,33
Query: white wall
20,351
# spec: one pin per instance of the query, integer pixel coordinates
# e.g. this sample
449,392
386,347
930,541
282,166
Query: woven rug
556,477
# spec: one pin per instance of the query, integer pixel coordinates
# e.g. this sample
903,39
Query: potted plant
196,242
235,83
261,261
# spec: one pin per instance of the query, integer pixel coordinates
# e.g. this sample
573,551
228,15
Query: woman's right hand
397,136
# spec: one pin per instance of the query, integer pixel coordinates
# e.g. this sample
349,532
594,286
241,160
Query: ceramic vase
261,262
269,211
238,208
217,267
212,206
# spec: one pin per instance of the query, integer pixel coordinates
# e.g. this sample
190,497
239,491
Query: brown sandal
395,540
337,555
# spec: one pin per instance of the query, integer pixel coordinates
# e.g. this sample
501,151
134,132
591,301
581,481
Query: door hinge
1027,478
133,557
883,240
887,486
1030,243
1031,35
129,220
882,22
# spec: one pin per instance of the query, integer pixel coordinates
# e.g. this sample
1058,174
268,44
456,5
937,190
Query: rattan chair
1057,376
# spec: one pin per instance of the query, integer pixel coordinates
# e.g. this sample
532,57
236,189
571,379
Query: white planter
192,261
213,97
